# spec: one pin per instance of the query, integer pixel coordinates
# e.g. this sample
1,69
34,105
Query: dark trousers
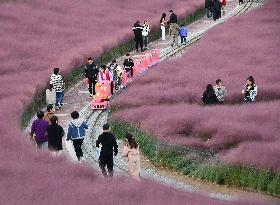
106,161
241,2
91,86
112,87
183,39
78,148
129,70
145,39
139,41
209,13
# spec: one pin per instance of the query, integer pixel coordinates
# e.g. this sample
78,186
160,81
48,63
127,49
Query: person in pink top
131,151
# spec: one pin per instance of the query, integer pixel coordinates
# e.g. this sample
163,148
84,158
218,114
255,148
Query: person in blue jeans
58,85
183,32
76,133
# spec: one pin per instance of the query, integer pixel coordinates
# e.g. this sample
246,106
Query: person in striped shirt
58,86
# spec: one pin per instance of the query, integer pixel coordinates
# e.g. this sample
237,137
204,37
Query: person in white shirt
145,33
50,95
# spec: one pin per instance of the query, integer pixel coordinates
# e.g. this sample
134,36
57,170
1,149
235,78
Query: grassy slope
250,178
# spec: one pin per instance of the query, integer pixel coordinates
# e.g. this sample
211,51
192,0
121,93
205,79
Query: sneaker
90,96
57,107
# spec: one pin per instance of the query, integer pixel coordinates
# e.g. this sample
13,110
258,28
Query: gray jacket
220,92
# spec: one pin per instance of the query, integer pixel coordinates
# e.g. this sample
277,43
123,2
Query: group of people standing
114,73
215,8
141,33
218,93
174,29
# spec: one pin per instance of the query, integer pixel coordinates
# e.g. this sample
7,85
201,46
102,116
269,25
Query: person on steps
76,133
131,151
91,73
109,145
55,134
209,97
138,29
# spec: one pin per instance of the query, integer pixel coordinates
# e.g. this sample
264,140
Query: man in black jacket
137,29
173,17
109,145
209,7
128,65
91,73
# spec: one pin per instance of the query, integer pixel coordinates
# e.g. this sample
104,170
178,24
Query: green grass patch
250,178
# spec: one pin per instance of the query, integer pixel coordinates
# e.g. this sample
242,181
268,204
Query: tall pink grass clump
166,102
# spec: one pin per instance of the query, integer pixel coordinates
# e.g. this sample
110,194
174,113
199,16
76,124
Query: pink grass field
166,102
34,37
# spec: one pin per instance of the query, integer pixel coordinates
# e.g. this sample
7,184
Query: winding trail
77,99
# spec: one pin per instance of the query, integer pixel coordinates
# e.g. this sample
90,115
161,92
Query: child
58,85
101,74
220,91
117,73
50,112
76,133
183,32
38,131
50,95
145,33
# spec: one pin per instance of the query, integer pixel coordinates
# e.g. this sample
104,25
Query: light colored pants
43,145
162,32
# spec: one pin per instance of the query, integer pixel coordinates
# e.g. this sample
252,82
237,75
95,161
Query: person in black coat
128,65
109,145
173,17
55,133
91,73
209,7
217,7
209,97
137,29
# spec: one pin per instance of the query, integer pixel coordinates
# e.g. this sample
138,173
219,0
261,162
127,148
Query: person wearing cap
173,17
131,151
91,73
128,65
109,145
138,29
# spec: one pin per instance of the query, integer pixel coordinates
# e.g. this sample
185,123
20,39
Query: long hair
163,16
131,141
251,79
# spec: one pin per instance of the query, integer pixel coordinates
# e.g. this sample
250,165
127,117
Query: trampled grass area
249,178
77,74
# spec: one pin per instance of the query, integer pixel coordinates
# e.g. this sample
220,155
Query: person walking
128,64
174,32
183,32
209,7
91,73
163,24
209,97
50,95
220,91
76,133
131,151
58,85
137,29
108,144
250,90
145,33
55,134
50,112
38,131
